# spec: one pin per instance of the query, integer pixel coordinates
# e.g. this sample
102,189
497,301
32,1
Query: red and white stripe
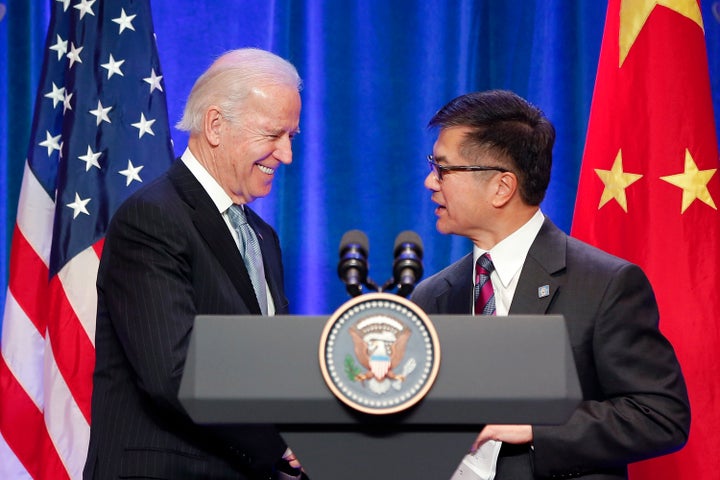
48,351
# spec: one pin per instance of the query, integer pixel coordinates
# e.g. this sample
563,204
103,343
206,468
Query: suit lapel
214,231
455,295
461,294
540,280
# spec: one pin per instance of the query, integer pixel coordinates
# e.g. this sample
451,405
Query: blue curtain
374,73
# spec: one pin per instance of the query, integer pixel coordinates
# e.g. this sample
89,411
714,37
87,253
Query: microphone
353,265
407,267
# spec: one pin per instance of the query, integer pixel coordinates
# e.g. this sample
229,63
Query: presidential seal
379,353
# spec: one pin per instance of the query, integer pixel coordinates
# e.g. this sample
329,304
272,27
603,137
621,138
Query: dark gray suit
168,256
635,401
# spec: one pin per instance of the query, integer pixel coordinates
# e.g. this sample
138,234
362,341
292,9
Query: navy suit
169,256
635,402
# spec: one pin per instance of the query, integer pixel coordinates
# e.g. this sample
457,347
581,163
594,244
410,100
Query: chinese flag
649,191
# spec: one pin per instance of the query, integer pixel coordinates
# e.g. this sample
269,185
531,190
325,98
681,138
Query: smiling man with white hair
184,245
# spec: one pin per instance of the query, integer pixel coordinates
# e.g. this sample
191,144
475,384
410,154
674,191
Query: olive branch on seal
352,370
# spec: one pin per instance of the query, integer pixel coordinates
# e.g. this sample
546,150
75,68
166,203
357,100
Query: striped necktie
484,293
250,251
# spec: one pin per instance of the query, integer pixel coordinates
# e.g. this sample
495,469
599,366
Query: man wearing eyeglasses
490,169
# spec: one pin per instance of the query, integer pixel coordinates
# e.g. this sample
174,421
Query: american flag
100,130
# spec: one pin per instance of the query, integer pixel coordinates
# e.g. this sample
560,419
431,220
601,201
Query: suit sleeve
636,404
148,295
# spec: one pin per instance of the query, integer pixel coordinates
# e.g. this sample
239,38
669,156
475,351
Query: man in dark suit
490,169
173,251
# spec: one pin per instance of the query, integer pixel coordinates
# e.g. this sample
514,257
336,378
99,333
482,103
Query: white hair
229,80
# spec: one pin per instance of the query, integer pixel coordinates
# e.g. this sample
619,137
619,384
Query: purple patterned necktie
484,293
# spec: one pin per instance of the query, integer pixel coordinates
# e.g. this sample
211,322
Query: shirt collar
221,199
509,255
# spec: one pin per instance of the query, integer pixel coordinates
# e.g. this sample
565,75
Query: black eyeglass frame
439,169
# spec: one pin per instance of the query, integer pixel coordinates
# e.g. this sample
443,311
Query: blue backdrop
374,73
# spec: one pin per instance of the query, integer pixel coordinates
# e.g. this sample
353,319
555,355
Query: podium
508,370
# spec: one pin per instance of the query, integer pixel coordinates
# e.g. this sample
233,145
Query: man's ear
506,188
211,125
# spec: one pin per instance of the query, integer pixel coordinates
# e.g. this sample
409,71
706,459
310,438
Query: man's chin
442,227
264,191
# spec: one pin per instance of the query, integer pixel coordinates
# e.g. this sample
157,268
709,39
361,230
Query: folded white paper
481,464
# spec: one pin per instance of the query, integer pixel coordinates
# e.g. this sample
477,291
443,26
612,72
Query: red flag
100,129
649,190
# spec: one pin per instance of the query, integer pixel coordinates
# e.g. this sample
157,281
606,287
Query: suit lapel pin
543,291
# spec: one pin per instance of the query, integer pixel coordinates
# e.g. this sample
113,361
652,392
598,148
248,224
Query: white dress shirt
508,257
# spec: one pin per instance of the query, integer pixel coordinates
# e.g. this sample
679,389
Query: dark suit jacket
169,255
635,403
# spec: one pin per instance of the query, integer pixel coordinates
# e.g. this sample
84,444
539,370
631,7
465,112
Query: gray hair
229,80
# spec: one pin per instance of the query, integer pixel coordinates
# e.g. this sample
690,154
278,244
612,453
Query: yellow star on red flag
634,14
693,183
616,181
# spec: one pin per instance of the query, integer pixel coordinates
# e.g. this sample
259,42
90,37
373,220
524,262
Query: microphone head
407,267
356,239
408,239
353,266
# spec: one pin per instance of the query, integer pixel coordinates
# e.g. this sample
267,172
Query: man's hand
516,434
290,457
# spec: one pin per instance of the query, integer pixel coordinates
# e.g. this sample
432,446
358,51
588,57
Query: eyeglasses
438,170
